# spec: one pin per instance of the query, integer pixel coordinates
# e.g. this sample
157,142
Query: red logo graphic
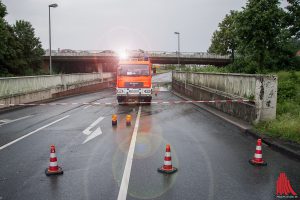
284,188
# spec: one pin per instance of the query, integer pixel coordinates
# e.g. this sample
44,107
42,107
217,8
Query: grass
161,71
287,123
209,68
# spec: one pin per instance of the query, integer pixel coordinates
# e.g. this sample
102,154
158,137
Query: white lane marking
28,134
14,120
94,134
126,174
87,107
87,131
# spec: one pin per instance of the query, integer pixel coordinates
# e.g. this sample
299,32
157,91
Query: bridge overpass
98,61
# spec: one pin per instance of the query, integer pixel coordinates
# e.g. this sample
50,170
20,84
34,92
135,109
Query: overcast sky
124,24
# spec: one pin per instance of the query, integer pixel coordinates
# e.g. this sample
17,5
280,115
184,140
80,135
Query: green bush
295,63
288,107
208,68
286,90
287,87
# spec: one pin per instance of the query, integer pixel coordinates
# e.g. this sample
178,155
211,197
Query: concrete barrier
20,90
262,89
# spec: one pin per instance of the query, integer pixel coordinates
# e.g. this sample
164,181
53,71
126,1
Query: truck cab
134,81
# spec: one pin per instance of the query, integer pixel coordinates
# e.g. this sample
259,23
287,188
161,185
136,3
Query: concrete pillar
100,67
266,97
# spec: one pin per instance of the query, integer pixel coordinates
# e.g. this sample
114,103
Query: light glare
123,55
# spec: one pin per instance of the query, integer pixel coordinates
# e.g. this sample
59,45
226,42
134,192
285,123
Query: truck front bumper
144,92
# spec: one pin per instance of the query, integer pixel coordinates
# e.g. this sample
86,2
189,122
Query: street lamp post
178,52
50,59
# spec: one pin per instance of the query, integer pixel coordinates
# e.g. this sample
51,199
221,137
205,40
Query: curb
276,145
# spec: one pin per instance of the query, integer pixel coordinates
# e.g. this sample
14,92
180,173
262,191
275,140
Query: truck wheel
147,100
120,100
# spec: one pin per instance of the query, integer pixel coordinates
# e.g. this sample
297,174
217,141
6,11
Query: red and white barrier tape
126,103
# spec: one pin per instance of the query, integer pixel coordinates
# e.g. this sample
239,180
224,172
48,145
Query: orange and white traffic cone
257,159
53,168
167,168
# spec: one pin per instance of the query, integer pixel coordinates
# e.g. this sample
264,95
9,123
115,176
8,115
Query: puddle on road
151,112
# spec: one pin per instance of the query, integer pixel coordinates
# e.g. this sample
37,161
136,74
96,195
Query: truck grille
134,84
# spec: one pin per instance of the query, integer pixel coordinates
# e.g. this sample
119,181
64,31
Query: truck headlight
120,91
147,91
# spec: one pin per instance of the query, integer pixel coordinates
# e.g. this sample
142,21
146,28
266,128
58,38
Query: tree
30,50
3,11
3,33
20,50
5,39
261,34
293,18
224,40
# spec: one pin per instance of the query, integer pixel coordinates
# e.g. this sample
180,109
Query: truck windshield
134,70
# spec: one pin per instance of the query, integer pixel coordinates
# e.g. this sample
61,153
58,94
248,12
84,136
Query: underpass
211,154
88,61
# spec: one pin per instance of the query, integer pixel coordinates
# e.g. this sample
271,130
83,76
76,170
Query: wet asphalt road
211,155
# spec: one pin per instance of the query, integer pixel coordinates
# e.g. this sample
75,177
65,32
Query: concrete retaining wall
213,86
19,90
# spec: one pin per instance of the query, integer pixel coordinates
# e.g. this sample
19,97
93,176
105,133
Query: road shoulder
289,148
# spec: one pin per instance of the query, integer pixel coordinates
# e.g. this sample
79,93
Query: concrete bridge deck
157,57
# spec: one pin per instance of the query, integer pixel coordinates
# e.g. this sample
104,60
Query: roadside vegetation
161,71
287,122
264,38
20,50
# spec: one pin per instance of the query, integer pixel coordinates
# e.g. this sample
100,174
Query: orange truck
134,81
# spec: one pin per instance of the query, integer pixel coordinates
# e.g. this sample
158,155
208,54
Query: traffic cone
257,159
114,120
53,168
167,168
128,120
